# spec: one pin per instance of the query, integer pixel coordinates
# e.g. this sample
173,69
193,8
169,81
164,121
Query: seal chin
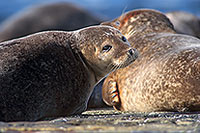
126,59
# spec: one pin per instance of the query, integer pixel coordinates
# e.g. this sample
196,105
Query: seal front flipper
110,94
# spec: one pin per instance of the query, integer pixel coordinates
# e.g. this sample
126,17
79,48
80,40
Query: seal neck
76,43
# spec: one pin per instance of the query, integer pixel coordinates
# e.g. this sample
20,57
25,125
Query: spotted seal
52,74
165,77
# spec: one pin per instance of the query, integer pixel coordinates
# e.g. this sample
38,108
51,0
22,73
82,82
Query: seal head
139,22
102,50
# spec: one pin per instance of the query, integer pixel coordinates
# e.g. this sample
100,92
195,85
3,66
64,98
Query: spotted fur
166,76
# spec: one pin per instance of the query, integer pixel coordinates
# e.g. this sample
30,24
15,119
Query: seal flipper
110,94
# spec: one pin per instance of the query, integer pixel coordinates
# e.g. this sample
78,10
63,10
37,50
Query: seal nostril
130,52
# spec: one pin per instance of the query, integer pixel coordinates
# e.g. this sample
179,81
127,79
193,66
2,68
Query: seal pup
53,16
165,77
185,23
52,74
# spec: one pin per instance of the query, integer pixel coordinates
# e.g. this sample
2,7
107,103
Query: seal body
166,76
53,16
52,74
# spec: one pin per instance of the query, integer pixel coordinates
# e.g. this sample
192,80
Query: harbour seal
165,77
52,74
185,23
53,16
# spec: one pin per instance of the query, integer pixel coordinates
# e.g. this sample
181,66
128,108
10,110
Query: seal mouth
123,61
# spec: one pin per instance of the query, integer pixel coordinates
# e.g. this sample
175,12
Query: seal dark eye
106,48
124,39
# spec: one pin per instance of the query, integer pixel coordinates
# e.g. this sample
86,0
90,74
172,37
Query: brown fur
52,74
166,76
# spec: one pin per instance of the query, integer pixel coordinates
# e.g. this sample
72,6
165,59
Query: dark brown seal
52,74
185,23
165,77
53,16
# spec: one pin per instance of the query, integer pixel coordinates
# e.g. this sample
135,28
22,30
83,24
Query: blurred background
19,18
106,8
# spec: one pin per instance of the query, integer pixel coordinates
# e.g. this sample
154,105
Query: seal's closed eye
106,48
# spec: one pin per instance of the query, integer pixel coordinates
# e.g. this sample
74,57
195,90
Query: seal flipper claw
114,95
115,100
113,90
111,94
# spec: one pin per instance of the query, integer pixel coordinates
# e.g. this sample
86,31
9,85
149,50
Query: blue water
107,8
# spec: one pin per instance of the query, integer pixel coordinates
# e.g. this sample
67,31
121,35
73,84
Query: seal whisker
118,66
113,68
133,31
122,65
110,66
123,11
